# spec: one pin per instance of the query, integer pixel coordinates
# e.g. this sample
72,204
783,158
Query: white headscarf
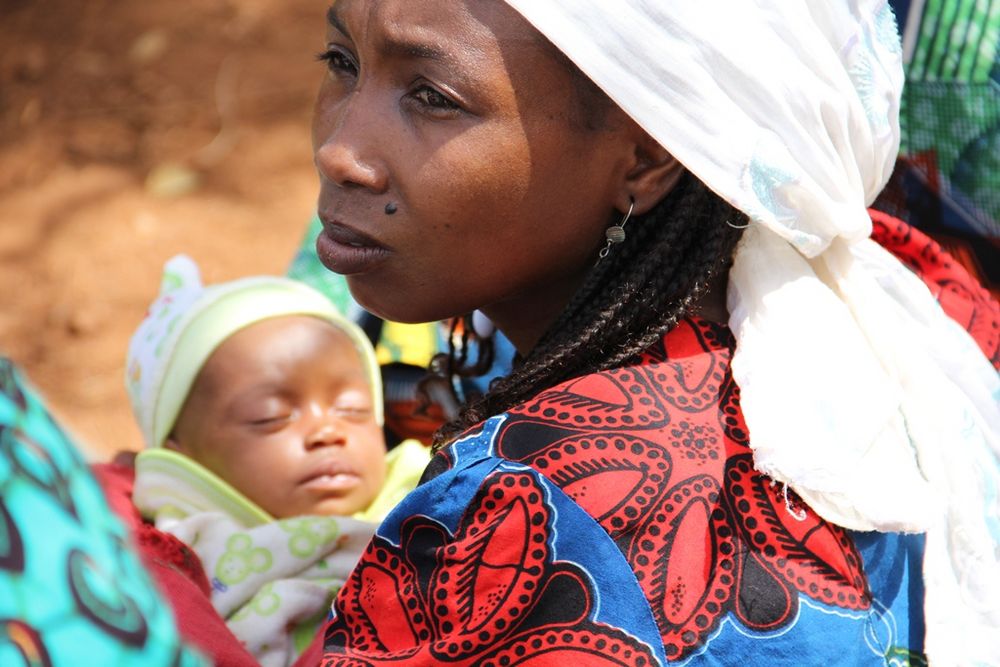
859,393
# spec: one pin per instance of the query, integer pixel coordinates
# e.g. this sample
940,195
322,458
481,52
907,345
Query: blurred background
131,131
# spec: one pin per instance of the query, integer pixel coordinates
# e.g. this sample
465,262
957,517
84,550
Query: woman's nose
347,145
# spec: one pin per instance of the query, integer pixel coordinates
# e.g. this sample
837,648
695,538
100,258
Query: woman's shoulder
656,456
679,388
682,380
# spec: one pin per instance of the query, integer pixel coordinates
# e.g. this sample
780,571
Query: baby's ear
173,444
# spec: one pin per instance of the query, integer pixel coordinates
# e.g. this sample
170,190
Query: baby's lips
329,469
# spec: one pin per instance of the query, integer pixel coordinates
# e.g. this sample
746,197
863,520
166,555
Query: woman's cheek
490,164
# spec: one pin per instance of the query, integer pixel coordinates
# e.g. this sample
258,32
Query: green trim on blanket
209,487
169,482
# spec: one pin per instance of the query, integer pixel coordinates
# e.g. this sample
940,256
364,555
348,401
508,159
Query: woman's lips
346,251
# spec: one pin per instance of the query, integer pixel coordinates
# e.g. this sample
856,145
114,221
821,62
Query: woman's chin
397,305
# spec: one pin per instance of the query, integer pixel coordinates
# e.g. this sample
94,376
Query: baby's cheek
272,484
379,467
375,476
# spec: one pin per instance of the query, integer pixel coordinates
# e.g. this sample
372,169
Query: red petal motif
496,593
616,402
815,557
615,478
684,559
381,605
493,571
658,455
579,648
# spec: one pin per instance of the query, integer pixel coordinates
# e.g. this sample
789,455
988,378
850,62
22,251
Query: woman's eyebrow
334,20
398,47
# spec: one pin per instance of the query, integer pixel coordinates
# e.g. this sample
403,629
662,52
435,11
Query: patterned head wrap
859,393
188,321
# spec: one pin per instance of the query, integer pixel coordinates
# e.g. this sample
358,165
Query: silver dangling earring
616,233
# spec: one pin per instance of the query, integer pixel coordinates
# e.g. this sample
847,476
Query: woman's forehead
484,45
462,22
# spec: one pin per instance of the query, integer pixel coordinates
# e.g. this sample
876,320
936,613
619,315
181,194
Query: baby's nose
324,428
324,435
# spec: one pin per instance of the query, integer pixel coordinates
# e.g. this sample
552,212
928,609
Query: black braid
628,302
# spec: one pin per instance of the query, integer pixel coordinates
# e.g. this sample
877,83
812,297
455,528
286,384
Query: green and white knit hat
188,321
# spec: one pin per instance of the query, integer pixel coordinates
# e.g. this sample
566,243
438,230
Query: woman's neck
712,304
527,319
522,324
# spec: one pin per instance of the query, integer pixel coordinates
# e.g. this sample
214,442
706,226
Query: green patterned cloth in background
412,344
72,591
947,181
306,268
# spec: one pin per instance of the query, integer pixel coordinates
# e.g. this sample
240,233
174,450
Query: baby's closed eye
268,413
354,405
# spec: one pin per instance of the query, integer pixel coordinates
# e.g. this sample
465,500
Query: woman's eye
434,99
338,61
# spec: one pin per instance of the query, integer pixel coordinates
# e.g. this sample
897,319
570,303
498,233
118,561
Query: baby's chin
332,506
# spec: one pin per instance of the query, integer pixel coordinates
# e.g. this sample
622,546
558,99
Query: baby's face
282,410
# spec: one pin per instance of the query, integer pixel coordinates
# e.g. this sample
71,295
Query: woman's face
459,115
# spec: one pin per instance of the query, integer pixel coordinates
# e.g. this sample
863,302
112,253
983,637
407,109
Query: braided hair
629,300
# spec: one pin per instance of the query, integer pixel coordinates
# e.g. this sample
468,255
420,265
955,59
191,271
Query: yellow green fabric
412,344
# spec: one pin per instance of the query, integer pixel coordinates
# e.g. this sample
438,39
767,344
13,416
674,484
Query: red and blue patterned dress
617,519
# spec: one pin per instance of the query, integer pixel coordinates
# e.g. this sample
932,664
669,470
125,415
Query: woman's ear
653,174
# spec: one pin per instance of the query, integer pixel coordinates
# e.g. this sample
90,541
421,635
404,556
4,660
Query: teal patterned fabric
72,591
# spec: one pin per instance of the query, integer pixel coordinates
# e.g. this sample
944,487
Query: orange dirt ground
131,131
